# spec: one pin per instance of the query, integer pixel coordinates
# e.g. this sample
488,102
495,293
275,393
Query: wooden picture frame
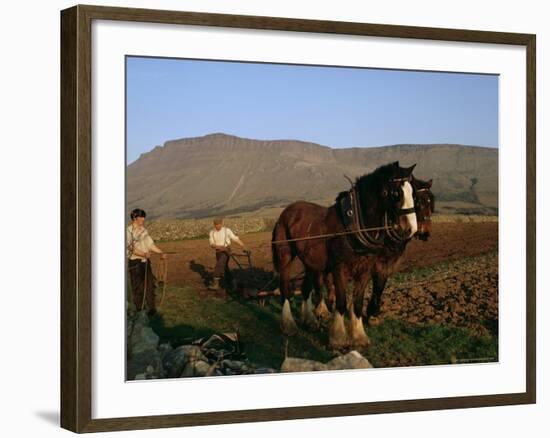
76,218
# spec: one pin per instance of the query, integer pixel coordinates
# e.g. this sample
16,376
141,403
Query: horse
382,207
387,261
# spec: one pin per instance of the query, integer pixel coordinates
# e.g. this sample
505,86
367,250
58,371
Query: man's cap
218,221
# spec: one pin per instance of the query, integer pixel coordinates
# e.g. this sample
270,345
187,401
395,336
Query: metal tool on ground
246,254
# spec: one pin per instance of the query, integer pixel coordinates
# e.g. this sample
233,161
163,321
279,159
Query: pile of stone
350,361
216,355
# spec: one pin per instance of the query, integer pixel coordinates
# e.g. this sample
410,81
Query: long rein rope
326,236
274,242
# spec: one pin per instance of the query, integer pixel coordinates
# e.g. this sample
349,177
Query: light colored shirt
138,239
223,237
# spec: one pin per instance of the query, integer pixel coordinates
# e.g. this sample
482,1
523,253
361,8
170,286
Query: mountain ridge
225,174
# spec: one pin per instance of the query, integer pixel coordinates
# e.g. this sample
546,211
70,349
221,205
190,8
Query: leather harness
353,221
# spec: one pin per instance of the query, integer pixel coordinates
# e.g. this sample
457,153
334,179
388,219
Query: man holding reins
140,245
220,239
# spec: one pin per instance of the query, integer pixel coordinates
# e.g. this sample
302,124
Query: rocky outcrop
143,354
350,361
216,355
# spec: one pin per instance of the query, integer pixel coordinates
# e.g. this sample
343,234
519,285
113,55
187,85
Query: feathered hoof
288,325
338,337
308,317
321,311
358,336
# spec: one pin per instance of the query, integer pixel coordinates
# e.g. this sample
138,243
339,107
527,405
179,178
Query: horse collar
352,218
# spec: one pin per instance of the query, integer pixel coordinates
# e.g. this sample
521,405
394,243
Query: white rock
350,361
296,365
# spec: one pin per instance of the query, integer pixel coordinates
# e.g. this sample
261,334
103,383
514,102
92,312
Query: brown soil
464,294
191,262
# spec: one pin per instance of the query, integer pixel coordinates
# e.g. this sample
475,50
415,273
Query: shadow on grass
207,276
188,316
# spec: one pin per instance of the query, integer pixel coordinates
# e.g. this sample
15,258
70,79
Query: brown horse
384,201
386,262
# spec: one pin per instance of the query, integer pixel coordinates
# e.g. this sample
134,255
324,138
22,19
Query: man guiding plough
220,239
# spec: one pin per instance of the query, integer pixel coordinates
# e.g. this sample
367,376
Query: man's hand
163,256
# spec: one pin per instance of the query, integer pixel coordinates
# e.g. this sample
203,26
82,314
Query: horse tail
280,232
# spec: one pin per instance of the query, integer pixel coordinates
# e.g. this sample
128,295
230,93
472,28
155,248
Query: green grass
186,316
396,343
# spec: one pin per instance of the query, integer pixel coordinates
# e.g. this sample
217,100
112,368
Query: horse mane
372,181
376,178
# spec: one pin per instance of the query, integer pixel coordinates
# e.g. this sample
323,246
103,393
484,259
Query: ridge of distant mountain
224,174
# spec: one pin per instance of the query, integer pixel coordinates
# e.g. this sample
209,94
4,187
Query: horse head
387,193
399,196
425,205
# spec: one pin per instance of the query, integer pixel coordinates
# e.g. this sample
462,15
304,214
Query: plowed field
191,262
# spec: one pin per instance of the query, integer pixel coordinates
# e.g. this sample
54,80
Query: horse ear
395,164
430,183
410,169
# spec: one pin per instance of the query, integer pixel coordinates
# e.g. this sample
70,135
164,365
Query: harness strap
363,236
405,211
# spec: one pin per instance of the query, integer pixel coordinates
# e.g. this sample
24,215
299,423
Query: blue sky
333,106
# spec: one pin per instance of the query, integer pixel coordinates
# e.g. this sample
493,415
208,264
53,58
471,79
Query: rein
326,236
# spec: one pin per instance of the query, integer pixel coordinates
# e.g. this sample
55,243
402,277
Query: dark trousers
142,282
222,265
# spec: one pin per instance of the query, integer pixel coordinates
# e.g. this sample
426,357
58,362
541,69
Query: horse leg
338,337
331,292
288,325
321,311
357,331
373,308
308,317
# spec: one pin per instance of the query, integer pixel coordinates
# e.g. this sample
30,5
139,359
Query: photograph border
76,217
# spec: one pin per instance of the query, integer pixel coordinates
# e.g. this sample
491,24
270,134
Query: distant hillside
221,174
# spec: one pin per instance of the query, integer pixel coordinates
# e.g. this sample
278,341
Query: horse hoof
321,311
288,325
338,338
